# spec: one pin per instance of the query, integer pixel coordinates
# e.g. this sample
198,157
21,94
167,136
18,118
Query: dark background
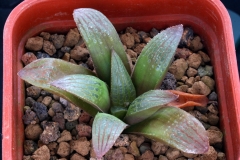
7,5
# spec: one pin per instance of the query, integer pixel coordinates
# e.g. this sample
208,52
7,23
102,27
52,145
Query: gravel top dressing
56,129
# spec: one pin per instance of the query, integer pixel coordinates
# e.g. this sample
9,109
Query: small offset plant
122,100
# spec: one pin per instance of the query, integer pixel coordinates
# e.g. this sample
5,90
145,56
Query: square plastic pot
208,18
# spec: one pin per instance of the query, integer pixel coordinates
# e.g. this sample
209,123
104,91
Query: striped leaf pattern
122,88
156,56
176,128
105,130
87,88
44,71
100,37
147,104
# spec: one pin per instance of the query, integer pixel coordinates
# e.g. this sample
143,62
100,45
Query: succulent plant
123,100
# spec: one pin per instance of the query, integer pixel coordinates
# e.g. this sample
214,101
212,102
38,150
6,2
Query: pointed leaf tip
105,131
100,38
156,57
122,88
188,100
42,72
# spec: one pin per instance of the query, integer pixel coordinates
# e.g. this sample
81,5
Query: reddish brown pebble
84,130
196,44
42,153
138,48
178,68
28,58
64,149
45,35
84,117
72,38
81,146
173,154
34,43
194,60
146,155
49,48
127,39
33,131
78,53
65,136
183,53
77,156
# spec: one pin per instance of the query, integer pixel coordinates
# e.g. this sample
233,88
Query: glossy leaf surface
147,104
100,37
43,71
88,88
176,128
122,89
118,111
156,56
105,131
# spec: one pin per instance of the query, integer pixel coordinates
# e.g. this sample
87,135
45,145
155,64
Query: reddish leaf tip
188,100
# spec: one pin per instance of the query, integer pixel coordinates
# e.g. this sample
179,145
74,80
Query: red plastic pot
208,18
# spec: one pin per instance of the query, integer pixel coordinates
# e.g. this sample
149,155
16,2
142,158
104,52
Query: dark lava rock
154,32
30,117
60,120
212,96
42,55
29,147
169,82
70,125
57,40
29,101
186,37
45,93
41,111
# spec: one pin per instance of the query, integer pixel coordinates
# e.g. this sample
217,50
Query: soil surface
57,129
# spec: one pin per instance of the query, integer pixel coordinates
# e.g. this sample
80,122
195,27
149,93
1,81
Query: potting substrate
57,129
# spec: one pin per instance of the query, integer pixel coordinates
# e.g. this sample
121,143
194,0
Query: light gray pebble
212,96
205,71
144,147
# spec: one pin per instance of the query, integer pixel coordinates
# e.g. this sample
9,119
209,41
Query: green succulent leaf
156,56
42,72
100,37
176,128
147,104
87,88
122,89
118,111
105,130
